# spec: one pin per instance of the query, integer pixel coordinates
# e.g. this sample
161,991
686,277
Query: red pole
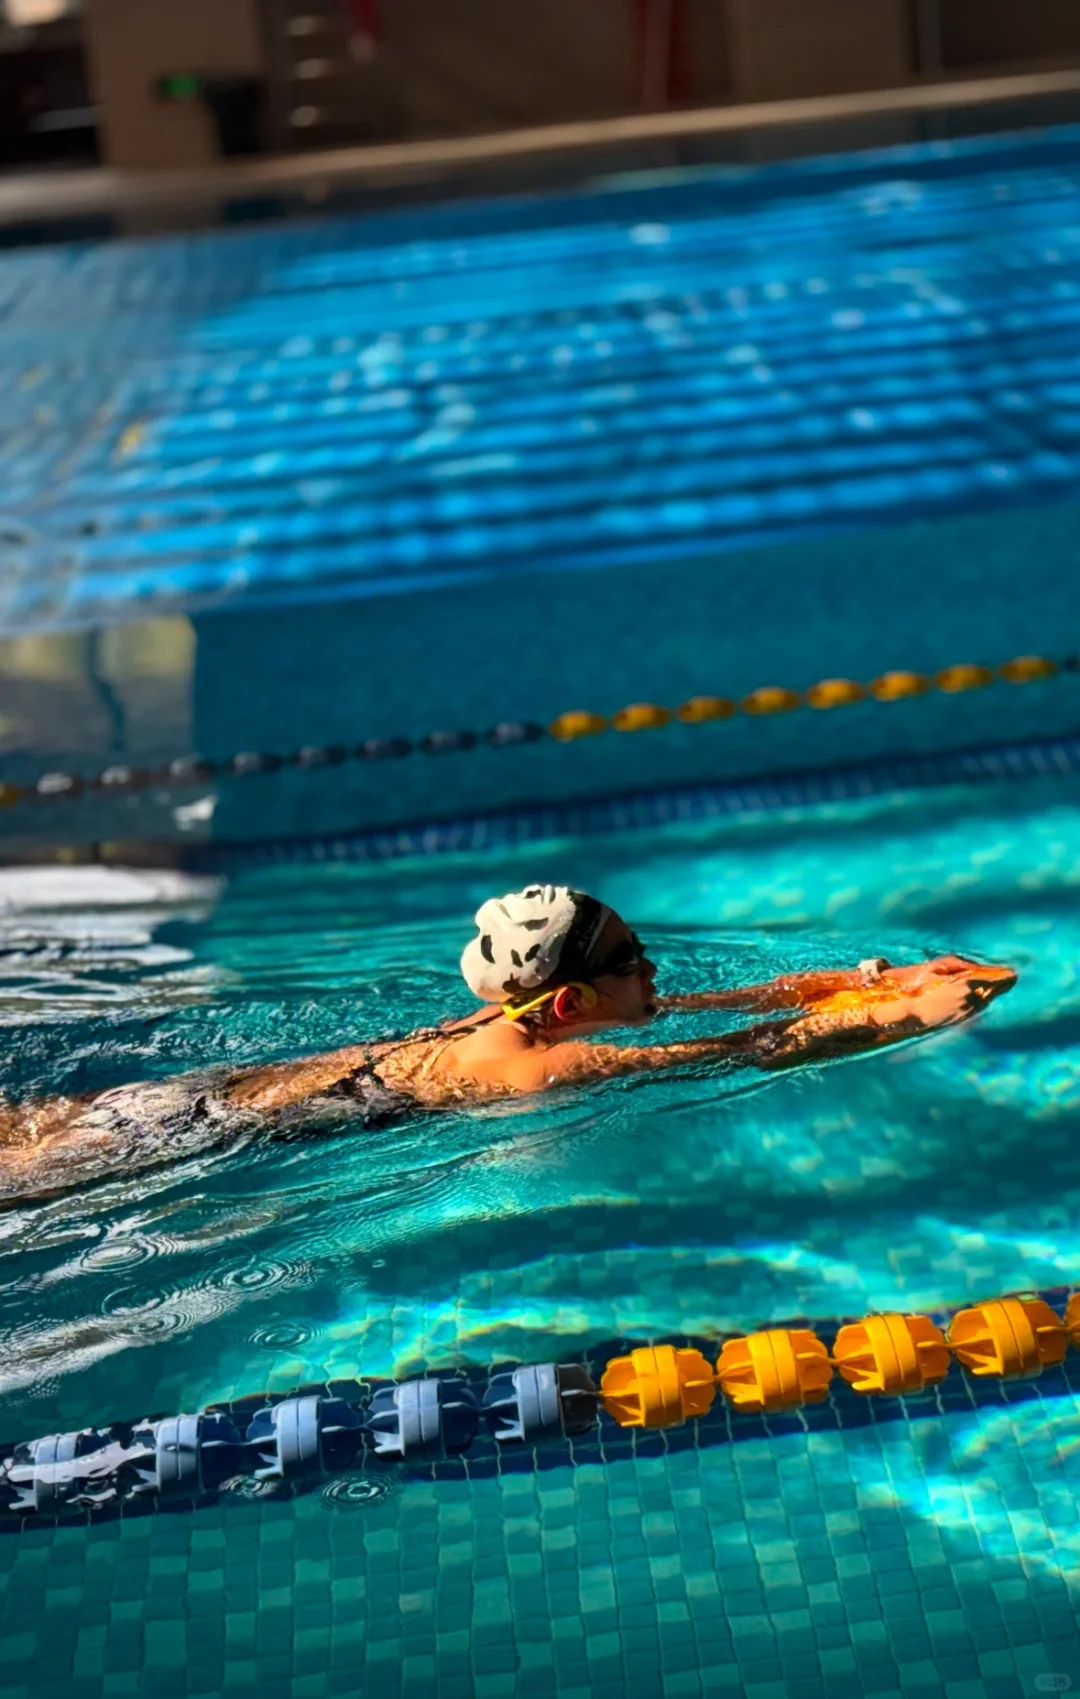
366,17
660,52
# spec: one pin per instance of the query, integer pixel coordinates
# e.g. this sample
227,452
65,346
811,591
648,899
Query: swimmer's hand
937,993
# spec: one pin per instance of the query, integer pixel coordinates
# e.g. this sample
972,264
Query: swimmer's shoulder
479,1054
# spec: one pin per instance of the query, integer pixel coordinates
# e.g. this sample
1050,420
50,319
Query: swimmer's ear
564,1004
571,1001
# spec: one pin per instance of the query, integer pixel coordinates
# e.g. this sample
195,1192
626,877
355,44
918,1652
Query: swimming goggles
622,961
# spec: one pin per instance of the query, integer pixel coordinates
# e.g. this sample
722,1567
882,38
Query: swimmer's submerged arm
772,1046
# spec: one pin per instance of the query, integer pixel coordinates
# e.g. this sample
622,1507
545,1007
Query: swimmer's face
624,977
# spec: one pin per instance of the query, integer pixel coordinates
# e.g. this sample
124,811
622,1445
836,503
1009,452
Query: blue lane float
280,1446
422,1418
540,1401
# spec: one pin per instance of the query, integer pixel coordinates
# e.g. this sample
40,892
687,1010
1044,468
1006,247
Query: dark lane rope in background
828,694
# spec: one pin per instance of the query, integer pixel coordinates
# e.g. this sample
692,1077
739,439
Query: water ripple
282,1336
116,1254
259,1275
359,1492
247,1488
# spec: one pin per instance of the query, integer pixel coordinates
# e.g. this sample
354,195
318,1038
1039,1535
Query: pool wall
923,597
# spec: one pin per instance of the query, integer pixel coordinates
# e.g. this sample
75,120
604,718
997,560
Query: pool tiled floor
934,1560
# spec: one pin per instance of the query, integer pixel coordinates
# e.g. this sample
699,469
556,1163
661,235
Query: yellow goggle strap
514,1011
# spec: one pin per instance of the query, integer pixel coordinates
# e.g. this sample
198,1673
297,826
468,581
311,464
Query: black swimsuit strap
368,1069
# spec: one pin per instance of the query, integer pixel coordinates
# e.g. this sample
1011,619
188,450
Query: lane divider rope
280,1445
828,694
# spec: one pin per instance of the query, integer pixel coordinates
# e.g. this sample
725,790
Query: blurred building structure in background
47,112
147,84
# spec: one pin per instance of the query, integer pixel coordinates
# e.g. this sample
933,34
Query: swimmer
554,971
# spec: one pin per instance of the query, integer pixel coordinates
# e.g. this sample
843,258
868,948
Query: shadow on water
1057,1033
984,908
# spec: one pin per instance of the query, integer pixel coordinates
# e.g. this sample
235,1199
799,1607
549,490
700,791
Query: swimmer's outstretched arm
847,1030
789,991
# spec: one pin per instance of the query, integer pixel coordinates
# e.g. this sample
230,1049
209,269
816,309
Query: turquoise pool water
936,1556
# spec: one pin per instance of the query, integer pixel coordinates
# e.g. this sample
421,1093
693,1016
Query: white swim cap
527,936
